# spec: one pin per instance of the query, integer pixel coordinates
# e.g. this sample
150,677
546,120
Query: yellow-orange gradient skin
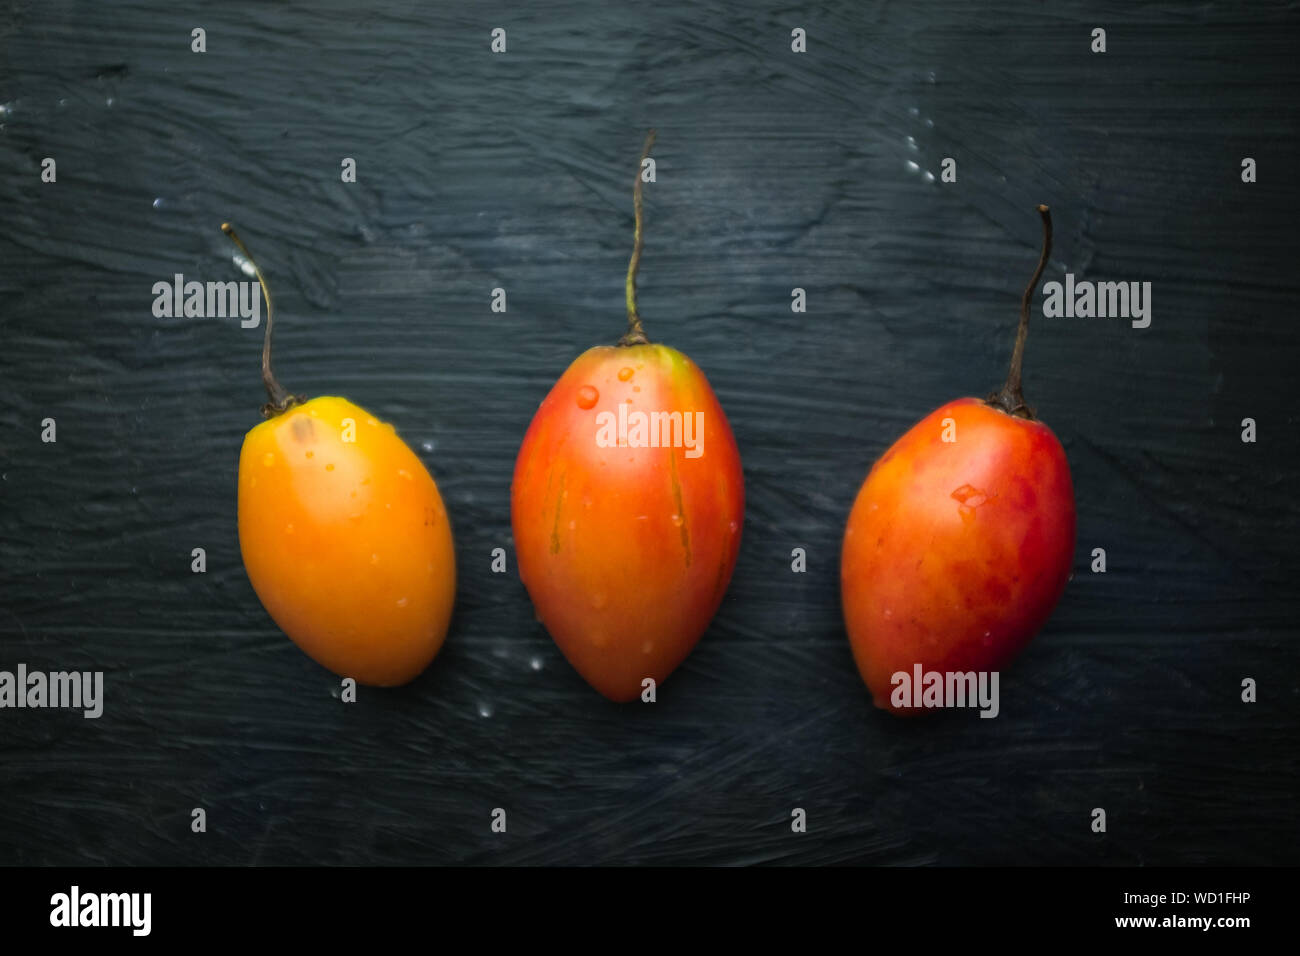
347,543
626,551
956,553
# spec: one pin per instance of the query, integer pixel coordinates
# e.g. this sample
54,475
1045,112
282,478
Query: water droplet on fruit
598,601
970,495
572,525
647,647
734,526
403,473
401,602
311,454
587,396
374,559
677,521
288,529
268,459
625,373
329,467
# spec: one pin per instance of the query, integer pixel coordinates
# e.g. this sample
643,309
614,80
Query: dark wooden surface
774,171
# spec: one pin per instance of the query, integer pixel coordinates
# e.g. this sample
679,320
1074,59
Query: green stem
281,399
1011,397
635,334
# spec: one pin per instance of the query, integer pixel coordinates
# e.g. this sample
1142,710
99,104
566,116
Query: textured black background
774,170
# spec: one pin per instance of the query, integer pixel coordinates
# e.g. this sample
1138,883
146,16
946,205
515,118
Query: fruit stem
281,400
1011,398
635,334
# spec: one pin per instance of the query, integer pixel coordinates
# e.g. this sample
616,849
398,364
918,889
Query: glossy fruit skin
956,553
626,552
346,543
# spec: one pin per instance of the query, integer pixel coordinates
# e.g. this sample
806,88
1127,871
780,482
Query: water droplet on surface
587,396
311,454
485,709
647,647
157,203
535,663
625,373
428,445
268,459
329,467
